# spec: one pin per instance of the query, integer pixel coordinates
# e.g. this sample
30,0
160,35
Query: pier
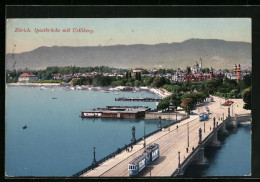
179,146
138,99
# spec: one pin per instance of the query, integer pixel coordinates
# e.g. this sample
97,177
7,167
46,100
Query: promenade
171,141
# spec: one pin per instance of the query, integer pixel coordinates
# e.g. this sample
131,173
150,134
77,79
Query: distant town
171,84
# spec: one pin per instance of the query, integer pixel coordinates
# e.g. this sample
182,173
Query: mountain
216,53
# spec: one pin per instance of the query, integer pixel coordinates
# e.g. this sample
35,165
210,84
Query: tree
187,104
246,94
164,103
245,83
212,85
205,70
176,99
137,83
188,69
145,71
147,81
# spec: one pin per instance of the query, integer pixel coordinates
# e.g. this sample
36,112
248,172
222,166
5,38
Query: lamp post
171,106
188,134
160,124
214,120
179,160
144,136
200,136
204,126
133,135
94,152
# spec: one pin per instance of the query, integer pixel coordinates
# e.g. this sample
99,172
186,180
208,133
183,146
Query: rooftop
26,75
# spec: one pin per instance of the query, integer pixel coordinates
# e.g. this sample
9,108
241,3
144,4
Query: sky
113,31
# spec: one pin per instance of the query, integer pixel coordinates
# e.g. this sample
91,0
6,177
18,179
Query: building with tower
197,75
238,71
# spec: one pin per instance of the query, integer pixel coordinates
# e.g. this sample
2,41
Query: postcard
128,97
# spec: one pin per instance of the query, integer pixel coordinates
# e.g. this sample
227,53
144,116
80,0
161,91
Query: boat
24,127
54,98
106,91
116,93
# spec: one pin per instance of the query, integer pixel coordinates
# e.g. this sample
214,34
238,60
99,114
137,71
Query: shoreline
158,91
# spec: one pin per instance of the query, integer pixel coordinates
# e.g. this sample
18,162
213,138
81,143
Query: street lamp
188,134
160,124
170,107
179,160
144,136
214,120
94,159
204,126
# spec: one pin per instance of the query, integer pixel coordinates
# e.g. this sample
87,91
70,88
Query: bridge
180,145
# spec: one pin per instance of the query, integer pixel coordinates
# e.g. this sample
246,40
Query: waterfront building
116,112
26,77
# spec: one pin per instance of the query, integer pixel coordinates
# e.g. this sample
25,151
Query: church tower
235,69
200,64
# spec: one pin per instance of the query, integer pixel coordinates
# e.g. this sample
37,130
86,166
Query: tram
150,154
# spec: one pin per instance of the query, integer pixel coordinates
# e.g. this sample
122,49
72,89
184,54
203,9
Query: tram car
150,154
203,116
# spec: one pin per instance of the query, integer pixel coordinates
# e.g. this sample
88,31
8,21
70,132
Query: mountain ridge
214,52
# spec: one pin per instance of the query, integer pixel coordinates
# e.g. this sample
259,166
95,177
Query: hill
214,52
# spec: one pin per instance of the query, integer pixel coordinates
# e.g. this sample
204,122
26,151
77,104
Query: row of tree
187,101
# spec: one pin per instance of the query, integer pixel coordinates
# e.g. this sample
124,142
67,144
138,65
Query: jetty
139,99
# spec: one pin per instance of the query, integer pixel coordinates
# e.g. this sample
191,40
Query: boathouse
116,112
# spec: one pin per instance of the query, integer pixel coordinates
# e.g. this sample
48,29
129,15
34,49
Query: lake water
233,158
57,141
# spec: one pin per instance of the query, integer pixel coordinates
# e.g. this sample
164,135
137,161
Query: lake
57,141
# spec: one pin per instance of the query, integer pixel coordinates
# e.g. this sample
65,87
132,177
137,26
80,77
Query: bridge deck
170,142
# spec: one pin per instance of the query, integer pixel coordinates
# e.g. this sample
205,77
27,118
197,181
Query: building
26,77
116,112
203,77
136,71
197,67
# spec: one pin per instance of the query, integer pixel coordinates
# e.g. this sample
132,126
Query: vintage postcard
128,97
